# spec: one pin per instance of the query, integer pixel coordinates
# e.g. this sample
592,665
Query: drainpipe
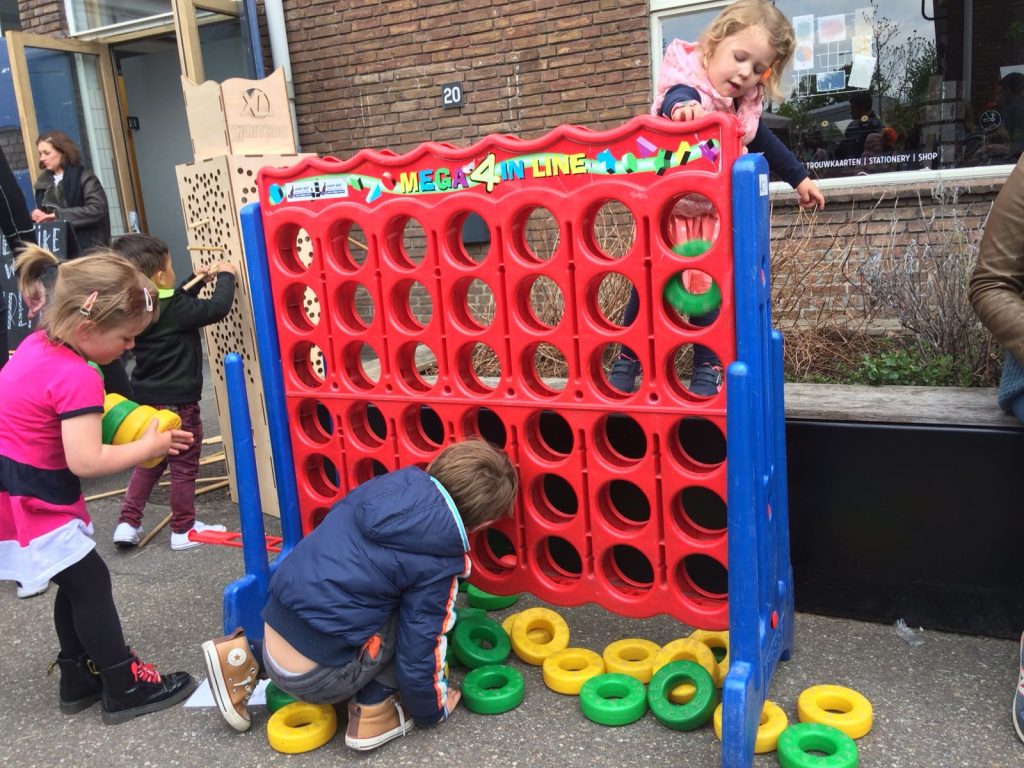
279,54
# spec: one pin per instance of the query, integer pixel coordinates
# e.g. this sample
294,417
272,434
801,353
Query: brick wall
45,17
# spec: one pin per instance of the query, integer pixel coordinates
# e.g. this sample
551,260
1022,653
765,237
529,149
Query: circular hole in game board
412,306
698,443
309,364
620,440
354,307
688,383
367,425
315,421
360,364
349,245
535,231
606,299
700,512
687,218
607,359
479,368
316,517
553,498
295,248
539,302
627,569
549,435
611,229
494,551
692,299
473,304
367,469
486,424
625,505
544,369
405,241
423,427
322,475
302,307
416,362
559,560
469,238
699,574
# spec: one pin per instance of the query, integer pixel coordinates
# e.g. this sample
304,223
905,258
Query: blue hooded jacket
394,543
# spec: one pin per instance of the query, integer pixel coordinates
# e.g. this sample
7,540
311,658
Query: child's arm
87,456
784,164
196,312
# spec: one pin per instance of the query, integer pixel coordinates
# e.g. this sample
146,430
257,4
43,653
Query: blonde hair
754,13
119,288
480,479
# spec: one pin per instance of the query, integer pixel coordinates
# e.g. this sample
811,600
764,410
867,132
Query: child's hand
809,194
172,442
686,111
224,266
454,694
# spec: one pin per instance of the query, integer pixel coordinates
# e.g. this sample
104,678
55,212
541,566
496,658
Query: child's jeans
184,471
334,685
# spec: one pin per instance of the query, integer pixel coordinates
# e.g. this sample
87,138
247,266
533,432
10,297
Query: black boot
132,688
80,684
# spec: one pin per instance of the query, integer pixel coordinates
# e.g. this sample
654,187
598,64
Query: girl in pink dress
50,436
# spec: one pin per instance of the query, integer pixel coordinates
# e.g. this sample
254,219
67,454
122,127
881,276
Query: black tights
85,615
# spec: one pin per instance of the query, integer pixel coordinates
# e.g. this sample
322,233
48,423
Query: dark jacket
169,354
395,543
79,200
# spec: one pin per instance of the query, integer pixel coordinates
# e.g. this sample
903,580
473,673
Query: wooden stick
198,279
219,456
207,248
156,529
213,487
215,478
213,440
357,243
199,224
105,495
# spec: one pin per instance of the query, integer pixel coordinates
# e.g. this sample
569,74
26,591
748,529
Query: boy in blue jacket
359,610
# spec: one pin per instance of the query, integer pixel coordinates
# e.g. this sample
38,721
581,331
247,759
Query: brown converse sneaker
233,672
370,725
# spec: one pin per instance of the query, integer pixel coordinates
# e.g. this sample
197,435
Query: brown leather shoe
370,725
233,673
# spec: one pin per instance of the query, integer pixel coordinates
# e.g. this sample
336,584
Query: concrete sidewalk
940,704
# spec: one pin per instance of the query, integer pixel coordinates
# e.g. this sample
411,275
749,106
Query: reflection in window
894,86
87,14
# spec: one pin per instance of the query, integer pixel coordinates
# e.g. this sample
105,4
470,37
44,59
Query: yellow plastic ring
715,640
566,671
537,634
773,723
633,656
685,649
301,727
134,424
539,618
842,708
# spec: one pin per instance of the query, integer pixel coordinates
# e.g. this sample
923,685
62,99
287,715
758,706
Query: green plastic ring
468,640
114,418
686,303
462,614
493,689
692,248
276,698
694,713
613,699
477,598
799,740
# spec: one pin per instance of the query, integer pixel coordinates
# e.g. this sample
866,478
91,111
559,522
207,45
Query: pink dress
44,525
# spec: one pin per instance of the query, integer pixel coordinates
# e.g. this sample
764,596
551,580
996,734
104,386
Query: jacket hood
422,519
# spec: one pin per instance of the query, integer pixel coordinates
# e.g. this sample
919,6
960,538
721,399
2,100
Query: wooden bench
907,502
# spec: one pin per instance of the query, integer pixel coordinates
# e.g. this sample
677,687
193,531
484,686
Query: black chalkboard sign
51,235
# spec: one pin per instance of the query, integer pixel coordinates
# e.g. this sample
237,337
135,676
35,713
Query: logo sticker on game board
312,188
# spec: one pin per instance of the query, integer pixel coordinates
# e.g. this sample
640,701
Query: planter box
907,502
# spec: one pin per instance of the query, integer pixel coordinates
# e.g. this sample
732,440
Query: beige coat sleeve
997,283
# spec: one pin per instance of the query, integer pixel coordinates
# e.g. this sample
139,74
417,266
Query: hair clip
149,299
766,74
86,308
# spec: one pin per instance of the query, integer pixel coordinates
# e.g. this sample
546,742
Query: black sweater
169,354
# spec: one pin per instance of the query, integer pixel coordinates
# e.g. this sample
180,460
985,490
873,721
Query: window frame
659,9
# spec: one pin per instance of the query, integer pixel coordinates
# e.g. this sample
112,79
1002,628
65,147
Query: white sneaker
31,590
180,541
126,535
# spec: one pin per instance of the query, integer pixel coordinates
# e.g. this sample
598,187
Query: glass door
70,86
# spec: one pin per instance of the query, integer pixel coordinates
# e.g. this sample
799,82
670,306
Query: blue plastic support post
245,598
269,352
760,575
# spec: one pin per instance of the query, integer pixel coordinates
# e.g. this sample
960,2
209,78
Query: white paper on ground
203,696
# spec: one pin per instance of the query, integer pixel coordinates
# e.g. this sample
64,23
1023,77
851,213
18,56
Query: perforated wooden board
212,193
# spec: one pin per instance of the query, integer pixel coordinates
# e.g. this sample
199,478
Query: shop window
900,85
